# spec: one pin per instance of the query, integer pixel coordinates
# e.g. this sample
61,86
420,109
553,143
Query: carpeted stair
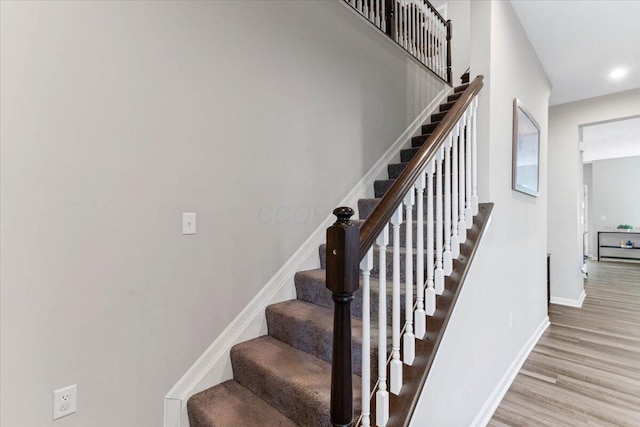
284,378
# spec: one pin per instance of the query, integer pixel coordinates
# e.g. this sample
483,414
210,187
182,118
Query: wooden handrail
381,214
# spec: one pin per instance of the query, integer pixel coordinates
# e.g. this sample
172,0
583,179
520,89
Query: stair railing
448,157
416,26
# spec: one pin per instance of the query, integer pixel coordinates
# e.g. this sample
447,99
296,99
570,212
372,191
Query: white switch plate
65,401
188,223
603,217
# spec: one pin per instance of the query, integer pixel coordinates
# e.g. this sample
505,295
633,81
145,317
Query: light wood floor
585,370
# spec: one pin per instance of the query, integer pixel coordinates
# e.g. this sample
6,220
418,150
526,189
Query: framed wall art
526,151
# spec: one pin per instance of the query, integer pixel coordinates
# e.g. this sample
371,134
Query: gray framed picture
526,151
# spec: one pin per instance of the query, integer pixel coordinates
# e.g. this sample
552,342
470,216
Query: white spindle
372,11
397,20
420,320
409,340
382,395
359,6
395,368
377,12
430,294
366,265
352,3
462,224
447,257
365,8
414,32
468,215
423,31
439,272
431,39
405,20
474,160
443,51
383,15
455,238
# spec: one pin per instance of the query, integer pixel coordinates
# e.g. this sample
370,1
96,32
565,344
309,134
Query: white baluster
455,238
352,3
468,214
365,9
420,320
359,6
429,39
439,273
383,15
448,256
366,265
405,16
413,28
430,294
397,19
423,34
443,41
382,395
474,160
462,224
372,11
376,12
409,340
395,367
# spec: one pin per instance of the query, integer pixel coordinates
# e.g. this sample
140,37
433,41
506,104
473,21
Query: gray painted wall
119,116
509,272
565,172
615,195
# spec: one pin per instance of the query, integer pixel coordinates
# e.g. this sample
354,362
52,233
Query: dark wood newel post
343,247
449,78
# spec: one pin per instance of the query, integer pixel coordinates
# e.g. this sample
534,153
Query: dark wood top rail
381,215
434,10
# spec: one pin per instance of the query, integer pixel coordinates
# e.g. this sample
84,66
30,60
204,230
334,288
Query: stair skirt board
492,403
213,366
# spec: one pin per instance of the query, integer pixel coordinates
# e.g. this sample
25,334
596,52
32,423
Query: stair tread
292,381
309,327
231,404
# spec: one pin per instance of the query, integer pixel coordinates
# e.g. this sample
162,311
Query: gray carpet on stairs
283,379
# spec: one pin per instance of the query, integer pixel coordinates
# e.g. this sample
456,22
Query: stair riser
316,292
308,337
428,128
446,106
283,395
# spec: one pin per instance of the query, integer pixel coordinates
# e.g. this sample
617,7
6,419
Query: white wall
508,274
119,116
614,195
565,172
458,12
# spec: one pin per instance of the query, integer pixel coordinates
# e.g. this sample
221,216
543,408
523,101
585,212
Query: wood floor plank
585,369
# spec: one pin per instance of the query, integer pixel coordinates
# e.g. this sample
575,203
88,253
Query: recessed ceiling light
618,73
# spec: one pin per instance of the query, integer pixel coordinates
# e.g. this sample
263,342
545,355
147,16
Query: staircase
284,378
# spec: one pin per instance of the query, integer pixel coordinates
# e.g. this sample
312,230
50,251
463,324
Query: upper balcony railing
416,26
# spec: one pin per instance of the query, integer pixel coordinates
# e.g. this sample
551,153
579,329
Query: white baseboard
214,366
490,406
570,302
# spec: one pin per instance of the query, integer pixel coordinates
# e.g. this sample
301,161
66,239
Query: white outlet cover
188,223
65,401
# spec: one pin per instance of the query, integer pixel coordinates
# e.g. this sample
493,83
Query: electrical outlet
64,401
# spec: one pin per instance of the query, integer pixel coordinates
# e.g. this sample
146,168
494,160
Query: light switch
603,217
189,223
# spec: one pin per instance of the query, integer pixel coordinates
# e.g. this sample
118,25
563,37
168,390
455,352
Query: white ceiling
579,42
610,140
